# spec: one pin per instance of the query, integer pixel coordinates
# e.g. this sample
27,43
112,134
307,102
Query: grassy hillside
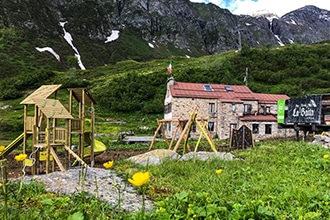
138,88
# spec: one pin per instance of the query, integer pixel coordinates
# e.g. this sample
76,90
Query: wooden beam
53,153
207,136
76,156
188,133
164,136
48,145
155,134
92,157
25,128
184,130
173,136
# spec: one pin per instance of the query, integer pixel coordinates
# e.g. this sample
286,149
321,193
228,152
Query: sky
279,7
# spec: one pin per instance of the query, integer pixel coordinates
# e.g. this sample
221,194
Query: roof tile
258,118
237,93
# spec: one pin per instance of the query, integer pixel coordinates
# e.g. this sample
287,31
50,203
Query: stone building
224,107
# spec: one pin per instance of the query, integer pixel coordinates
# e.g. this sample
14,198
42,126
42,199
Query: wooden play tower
54,128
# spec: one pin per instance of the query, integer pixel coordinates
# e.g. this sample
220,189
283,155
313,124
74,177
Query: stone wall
225,117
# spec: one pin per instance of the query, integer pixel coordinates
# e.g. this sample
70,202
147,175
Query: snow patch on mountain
50,50
279,40
151,45
68,38
114,36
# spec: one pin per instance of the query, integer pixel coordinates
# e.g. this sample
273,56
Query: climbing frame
52,127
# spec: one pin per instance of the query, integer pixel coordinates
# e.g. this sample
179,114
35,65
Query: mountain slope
146,30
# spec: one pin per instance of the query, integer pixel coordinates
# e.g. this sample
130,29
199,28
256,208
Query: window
208,87
247,108
229,89
266,110
211,107
168,108
255,128
233,107
268,129
210,125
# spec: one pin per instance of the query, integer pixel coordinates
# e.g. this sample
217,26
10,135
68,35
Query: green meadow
272,180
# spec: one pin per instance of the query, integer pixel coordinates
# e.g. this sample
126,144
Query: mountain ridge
154,29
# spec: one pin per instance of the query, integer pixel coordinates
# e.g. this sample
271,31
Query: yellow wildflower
219,171
2,148
1,184
139,178
20,157
108,164
326,156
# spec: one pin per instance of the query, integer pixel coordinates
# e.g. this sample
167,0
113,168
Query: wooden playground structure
54,128
185,132
239,139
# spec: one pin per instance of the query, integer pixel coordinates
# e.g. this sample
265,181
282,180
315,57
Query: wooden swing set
185,132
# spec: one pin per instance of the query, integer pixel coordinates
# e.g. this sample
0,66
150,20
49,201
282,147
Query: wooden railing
75,124
60,135
29,124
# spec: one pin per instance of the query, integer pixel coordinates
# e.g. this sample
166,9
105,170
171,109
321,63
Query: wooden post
184,130
92,157
69,143
155,134
199,139
4,166
25,133
53,141
47,145
35,137
206,135
174,134
164,136
188,133
207,131
82,151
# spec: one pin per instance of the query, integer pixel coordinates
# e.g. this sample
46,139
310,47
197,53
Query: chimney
170,81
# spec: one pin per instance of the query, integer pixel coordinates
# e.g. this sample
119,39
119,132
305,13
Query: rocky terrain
107,31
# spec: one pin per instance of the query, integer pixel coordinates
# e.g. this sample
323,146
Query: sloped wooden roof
52,108
78,94
42,92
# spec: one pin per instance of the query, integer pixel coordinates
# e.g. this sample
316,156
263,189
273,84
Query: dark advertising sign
305,109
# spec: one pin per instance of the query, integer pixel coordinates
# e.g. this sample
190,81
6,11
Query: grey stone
154,157
202,155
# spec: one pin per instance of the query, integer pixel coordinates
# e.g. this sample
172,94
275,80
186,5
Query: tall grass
273,180
286,180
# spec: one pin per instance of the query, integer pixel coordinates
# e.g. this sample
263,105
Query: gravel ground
104,184
98,182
